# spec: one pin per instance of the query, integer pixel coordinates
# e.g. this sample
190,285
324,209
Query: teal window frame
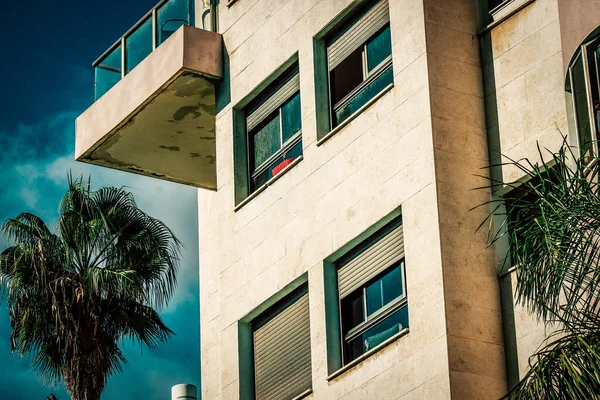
245,187
335,336
372,75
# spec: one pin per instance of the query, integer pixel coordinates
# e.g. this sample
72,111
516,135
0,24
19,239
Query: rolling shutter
371,262
357,34
284,92
282,363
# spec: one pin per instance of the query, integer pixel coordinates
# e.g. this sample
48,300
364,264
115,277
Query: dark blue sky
47,80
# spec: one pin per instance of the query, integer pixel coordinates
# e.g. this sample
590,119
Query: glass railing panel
159,23
108,72
170,17
138,45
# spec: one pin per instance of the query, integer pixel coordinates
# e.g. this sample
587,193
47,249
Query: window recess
359,61
274,128
372,293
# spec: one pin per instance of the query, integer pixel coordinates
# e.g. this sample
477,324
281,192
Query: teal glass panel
295,151
170,17
374,297
138,45
391,285
108,72
379,47
384,290
291,121
377,335
581,106
266,141
364,96
268,173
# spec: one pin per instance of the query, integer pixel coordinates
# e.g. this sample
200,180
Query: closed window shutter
371,262
282,362
284,92
357,34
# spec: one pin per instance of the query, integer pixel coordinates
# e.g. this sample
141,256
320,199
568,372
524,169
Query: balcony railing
139,41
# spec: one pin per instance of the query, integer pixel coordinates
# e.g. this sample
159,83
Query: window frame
368,76
583,53
245,188
382,313
380,231
285,147
326,126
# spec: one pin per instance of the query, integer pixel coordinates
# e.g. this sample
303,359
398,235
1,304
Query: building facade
336,145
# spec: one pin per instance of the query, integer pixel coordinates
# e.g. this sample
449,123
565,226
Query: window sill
506,10
267,184
303,395
355,114
368,354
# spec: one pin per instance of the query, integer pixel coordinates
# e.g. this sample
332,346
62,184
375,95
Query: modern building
335,145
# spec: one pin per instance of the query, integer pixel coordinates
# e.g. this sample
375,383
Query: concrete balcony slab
159,120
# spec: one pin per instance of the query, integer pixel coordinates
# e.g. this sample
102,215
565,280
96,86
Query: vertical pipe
154,29
123,57
184,391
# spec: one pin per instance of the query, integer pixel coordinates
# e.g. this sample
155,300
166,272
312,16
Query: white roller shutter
356,35
271,104
282,362
371,262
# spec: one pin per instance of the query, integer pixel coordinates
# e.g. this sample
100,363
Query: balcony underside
159,120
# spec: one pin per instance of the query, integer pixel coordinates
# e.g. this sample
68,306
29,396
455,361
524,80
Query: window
372,292
274,127
584,86
359,60
281,346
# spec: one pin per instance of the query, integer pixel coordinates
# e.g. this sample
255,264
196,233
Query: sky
47,81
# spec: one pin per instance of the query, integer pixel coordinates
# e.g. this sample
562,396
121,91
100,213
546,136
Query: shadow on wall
495,157
224,86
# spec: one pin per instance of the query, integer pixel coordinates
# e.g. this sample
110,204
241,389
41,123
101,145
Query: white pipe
184,391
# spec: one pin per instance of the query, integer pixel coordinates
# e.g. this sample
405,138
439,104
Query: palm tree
76,294
553,229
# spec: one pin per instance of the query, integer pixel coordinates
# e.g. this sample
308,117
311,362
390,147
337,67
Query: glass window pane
391,285
291,121
581,105
596,87
266,141
170,17
108,72
376,335
379,48
374,297
364,96
346,76
138,45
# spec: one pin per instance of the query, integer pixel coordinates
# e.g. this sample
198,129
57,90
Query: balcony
154,112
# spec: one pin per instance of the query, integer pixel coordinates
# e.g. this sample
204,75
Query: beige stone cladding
525,59
418,147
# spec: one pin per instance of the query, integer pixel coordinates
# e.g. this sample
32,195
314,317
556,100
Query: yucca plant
553,226
76,294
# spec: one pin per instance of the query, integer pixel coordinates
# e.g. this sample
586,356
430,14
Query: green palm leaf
75,295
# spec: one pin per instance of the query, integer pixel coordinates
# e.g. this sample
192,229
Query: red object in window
282,165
